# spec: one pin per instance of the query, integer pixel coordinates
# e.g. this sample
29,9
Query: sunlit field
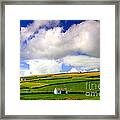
79,86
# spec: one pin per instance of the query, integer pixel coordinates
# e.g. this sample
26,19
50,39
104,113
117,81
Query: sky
59,46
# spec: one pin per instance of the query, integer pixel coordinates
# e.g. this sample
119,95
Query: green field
80,86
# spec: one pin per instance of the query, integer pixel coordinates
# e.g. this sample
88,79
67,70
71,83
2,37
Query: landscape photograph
59,60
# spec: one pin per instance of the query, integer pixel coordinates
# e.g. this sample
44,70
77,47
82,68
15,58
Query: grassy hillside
80,86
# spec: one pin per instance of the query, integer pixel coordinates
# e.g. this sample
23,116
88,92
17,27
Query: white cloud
46,66
87,69
42,66
53,44
73,70
82,61
49,49
94,70
25,72
86,37
30,29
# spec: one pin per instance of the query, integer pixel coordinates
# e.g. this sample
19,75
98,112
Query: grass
58,97
35,87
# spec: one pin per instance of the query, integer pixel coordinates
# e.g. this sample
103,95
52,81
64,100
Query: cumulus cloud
86,37
79,63
73,70
54,44
30,29
48,49
83,69
82,61
42,66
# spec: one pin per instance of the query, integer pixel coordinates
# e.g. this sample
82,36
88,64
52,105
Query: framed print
59,60
56,70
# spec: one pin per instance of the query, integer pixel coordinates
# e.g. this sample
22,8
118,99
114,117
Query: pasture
80,86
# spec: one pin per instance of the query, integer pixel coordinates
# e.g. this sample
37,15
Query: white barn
60,91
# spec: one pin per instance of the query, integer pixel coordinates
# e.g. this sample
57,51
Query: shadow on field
63,83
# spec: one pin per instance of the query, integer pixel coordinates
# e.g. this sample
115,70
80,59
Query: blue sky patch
25,23
24,65
66,68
